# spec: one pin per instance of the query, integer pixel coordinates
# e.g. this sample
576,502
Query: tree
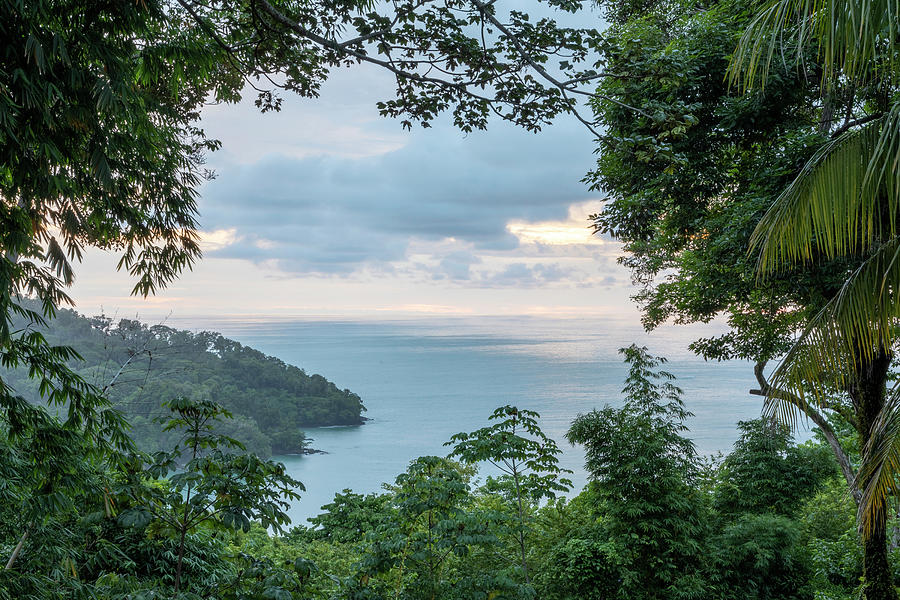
420,551
50,474
758,557
843,205
98,148
349,517
652,514
767,473
527,458
689,186
686,188
211,488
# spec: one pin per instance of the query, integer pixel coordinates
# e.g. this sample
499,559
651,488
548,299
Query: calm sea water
424,380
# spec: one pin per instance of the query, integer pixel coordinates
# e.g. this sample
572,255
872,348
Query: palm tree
843,205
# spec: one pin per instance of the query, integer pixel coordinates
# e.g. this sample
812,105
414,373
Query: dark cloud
335,215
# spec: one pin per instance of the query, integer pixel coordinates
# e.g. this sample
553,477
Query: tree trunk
868,396
16,550
521,536
179,560
879,583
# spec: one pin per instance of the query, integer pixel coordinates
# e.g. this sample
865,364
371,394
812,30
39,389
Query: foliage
585,565
828,525
51,480
760,557
517,446
788,148
853,41
645,470
766,472
843,205
348,518
77,525
100,147
323,567
421,553
687,187
643,530
213,489
829,514
687,180
430,535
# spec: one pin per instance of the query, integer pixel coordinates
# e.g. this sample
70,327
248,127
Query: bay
423,380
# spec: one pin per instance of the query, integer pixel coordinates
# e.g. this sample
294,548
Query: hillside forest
136,365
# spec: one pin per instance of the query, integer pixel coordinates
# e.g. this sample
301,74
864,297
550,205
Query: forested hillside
143,366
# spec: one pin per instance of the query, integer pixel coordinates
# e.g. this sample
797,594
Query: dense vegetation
768,521
139,367
760,185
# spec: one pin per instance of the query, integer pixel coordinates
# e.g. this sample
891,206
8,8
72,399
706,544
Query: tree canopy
760,139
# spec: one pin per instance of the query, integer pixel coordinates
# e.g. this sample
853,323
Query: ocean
423,380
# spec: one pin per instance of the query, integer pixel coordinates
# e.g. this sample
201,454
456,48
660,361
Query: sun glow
574,230
217,239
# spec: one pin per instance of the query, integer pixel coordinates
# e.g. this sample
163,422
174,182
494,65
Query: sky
327,209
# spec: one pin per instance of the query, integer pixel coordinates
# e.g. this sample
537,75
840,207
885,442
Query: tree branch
539,68
462,87
861,121
229,51
816,417
361,56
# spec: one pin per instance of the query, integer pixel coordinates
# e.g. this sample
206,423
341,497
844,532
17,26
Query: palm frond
842,203
855,325
879,472
849,35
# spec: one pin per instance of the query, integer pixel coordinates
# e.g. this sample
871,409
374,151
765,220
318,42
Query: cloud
456,266
522,275
572,231
338,215
610,281
343,121
211,241
327,209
